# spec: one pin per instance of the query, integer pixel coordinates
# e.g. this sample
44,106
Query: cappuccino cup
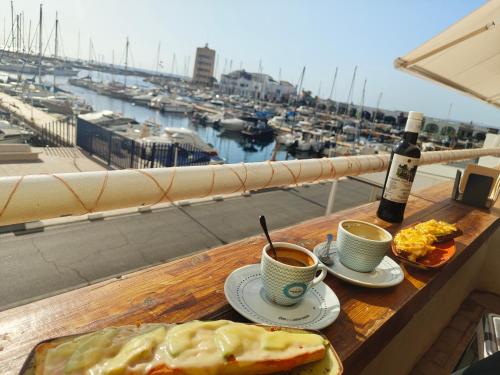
361,246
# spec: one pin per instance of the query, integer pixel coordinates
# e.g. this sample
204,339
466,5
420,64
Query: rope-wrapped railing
43,196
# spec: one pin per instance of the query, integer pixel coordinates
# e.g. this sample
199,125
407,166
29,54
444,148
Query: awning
465,57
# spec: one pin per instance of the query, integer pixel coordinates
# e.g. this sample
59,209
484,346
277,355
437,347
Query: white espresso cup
361,246
287,279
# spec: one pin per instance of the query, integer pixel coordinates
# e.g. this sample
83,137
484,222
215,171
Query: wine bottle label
400,178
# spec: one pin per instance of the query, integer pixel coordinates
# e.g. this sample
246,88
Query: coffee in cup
291,257
287,278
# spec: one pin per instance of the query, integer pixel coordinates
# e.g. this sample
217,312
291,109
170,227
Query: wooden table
192,288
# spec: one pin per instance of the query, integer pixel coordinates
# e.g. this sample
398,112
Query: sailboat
60,69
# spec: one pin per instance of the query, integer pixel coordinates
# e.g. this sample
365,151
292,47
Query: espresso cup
361,246
287,279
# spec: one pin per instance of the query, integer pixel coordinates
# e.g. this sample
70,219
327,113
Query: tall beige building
204,66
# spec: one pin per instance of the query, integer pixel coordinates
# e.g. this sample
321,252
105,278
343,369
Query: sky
283,35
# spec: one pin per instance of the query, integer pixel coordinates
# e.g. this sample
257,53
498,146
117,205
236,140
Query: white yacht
144,99
177,135
287,139
278,121
233,124
181,136
165,104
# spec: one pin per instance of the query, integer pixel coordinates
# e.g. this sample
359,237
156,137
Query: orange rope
321,172
67,186
164,192
382,162
359,164
77,197
11,194
103,186
272,175
333,171
150,177
212,184
239,178
170,186
295,178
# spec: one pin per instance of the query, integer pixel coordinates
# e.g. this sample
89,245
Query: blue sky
282,34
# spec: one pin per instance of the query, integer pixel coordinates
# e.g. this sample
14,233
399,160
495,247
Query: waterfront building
255,85
203,73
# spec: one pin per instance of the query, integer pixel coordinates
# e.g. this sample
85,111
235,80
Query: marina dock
47,125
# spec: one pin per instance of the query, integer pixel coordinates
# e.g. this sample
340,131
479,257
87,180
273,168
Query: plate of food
426,245
197,347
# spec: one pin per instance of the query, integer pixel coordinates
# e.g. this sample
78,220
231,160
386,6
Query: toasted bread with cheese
217,347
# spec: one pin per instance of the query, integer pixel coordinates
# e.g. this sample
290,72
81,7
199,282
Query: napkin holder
477,189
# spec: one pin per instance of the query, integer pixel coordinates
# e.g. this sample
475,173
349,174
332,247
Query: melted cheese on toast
215,347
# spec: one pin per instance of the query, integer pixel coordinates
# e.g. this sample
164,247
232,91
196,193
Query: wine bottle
401,173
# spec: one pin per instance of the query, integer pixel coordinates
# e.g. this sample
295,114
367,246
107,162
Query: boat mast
333,86
17,33
112,65
362,104
360,117
299,85
449,112
20,41
158,58
12,22
29,38
261,78
24,33
126,61
40,47
55,52
216,70
349,96
378,106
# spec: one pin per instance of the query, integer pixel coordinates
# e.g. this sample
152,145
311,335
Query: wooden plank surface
192,288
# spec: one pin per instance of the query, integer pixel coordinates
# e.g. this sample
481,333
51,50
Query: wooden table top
193,287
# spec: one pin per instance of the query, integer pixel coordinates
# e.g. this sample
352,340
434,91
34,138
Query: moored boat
233,124
260,130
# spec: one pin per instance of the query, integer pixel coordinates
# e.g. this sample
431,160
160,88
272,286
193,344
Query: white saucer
244,291
388,273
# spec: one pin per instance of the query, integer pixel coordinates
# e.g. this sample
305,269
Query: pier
47,127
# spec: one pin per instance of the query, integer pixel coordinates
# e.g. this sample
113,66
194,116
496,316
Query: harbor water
232,147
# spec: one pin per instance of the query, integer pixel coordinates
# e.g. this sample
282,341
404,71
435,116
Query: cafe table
193,287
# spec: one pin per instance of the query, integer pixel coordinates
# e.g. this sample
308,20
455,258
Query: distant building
203,73
255,85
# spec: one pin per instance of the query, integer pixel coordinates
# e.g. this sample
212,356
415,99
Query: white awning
465,57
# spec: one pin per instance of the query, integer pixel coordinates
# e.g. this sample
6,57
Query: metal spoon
325,256
263,224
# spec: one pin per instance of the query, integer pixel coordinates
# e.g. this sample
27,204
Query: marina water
231,146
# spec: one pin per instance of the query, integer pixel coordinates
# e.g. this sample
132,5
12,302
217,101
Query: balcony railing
36,197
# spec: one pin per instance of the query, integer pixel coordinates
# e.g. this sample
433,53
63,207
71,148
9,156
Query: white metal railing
43,196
